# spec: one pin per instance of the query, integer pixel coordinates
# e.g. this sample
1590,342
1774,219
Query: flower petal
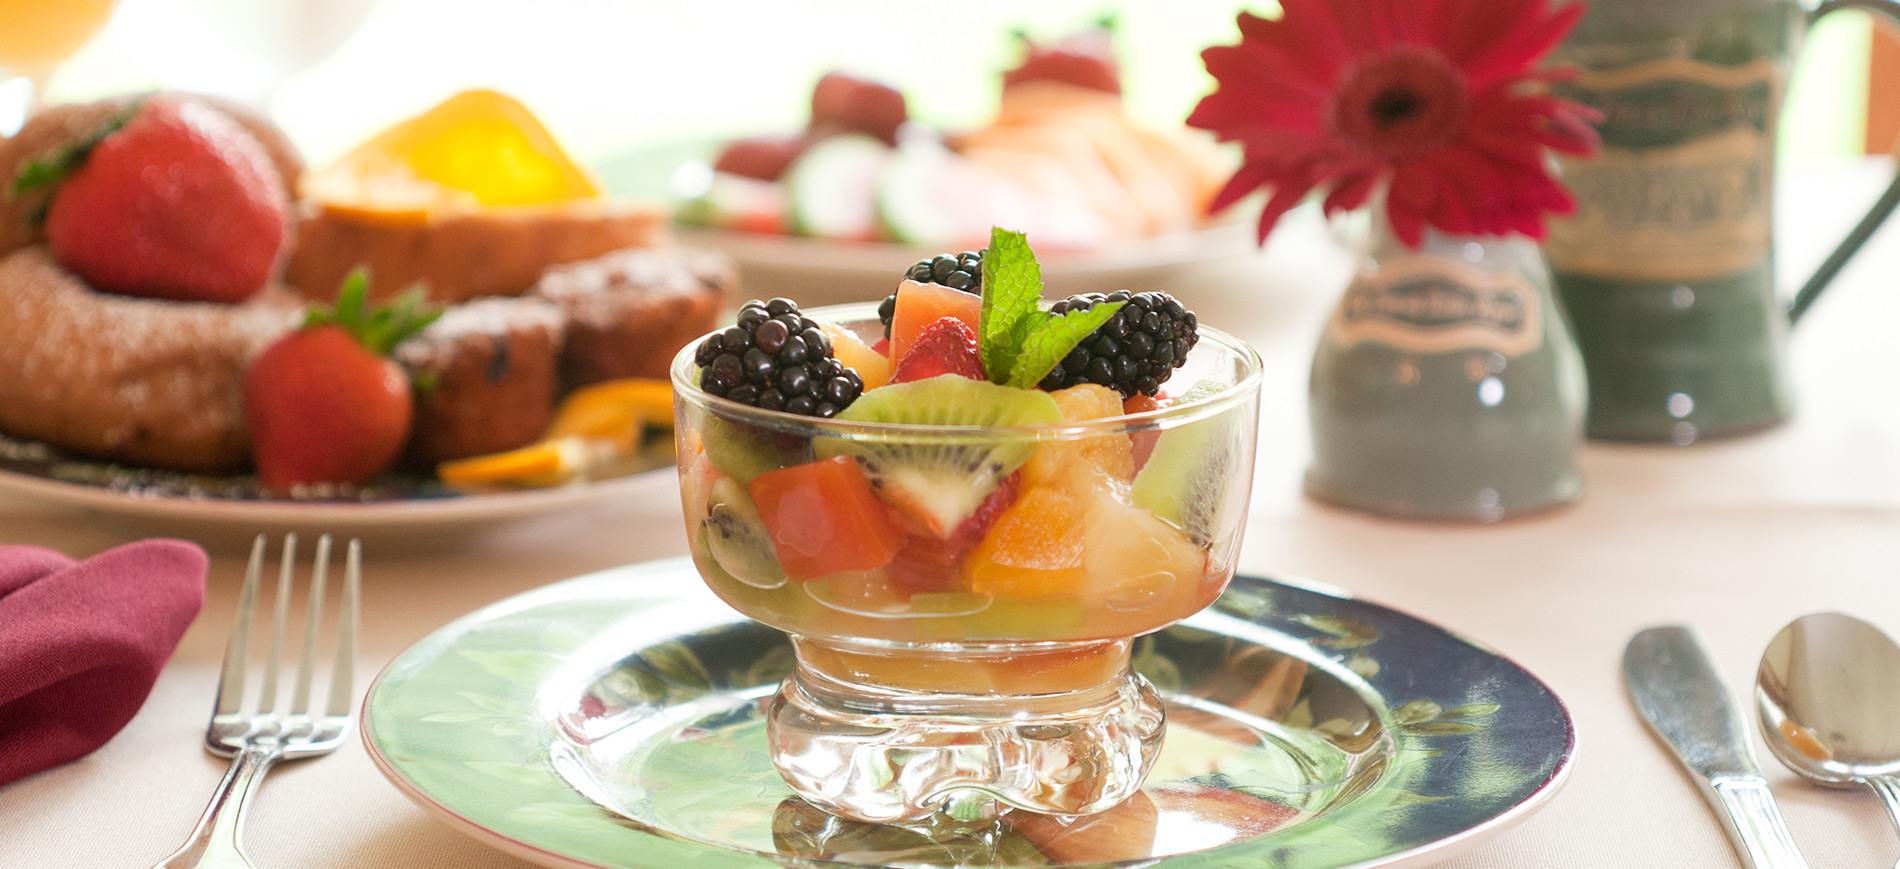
1282,201
1483,169
1521,42
1248,178
1309,27
1352,192
1408,199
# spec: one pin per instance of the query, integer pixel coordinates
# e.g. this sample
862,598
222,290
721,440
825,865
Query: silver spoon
1829,694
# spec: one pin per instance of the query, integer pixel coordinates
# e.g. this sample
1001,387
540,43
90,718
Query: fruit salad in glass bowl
963,511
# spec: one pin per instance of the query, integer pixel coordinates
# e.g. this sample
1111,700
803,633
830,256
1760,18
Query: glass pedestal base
897,735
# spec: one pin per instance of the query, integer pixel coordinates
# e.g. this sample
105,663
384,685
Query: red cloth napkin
82,642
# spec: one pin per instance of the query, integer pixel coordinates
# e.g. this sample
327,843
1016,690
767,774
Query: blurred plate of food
503,327
819,271
398,513
837,211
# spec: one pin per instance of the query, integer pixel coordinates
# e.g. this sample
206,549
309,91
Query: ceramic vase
1447,384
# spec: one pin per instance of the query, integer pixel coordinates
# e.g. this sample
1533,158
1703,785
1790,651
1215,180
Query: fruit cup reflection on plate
962,564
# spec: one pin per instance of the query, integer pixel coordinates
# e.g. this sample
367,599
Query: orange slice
546,463
615,411
471,198
593,430
479,149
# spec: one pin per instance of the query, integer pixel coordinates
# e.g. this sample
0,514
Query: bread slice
461,255
143,381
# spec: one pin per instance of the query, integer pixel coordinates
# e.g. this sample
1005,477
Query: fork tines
300,700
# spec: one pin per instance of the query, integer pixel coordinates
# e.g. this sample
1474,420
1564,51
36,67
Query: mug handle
1882,207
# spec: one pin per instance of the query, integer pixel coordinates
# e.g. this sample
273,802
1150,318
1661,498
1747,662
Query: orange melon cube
1073,464
872,367
1034,549
919,305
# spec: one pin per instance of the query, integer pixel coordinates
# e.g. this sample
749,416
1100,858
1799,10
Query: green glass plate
613,721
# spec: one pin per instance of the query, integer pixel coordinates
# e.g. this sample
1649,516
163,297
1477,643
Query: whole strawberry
171,199
326,404
1085,59
841,102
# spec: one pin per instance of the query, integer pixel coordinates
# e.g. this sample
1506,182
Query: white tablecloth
1734,537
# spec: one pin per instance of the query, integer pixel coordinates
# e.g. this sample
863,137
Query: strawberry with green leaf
169,199
326,404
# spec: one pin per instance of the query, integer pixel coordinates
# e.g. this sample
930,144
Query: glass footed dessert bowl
962,567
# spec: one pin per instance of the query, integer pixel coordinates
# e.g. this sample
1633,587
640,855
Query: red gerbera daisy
1438,99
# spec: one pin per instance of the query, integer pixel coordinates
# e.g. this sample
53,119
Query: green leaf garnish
47,170
1044,348
1012,284
1018,341
380,328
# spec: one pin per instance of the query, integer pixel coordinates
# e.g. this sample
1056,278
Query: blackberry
962,271
776,358
1135,351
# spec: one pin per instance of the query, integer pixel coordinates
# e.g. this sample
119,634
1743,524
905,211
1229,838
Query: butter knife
1686,706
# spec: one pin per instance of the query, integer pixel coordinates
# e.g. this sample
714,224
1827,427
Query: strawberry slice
763,157
946,346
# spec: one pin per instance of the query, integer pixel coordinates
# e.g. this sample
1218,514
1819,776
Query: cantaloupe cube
1033,550
1072,465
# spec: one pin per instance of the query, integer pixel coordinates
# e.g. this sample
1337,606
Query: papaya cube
824,518
919,305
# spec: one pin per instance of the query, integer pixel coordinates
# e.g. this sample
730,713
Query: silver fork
261,734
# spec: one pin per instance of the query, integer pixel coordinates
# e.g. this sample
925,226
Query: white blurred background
613,77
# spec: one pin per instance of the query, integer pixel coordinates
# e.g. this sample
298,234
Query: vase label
1682,187
1429,304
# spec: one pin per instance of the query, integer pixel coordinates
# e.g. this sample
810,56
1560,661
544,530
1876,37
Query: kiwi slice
1189,481
941,482
737,538
742,451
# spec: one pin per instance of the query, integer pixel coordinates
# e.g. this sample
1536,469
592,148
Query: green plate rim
1475,700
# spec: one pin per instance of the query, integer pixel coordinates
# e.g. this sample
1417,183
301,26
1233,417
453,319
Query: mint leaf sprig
1012,284
1019,342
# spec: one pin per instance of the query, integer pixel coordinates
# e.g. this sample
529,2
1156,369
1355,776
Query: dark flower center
1401,103
1392,106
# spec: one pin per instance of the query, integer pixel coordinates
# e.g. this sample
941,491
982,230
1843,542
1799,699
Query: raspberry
1135,351
776,358
962,271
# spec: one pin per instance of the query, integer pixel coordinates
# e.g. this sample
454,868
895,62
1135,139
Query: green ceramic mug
1667,267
